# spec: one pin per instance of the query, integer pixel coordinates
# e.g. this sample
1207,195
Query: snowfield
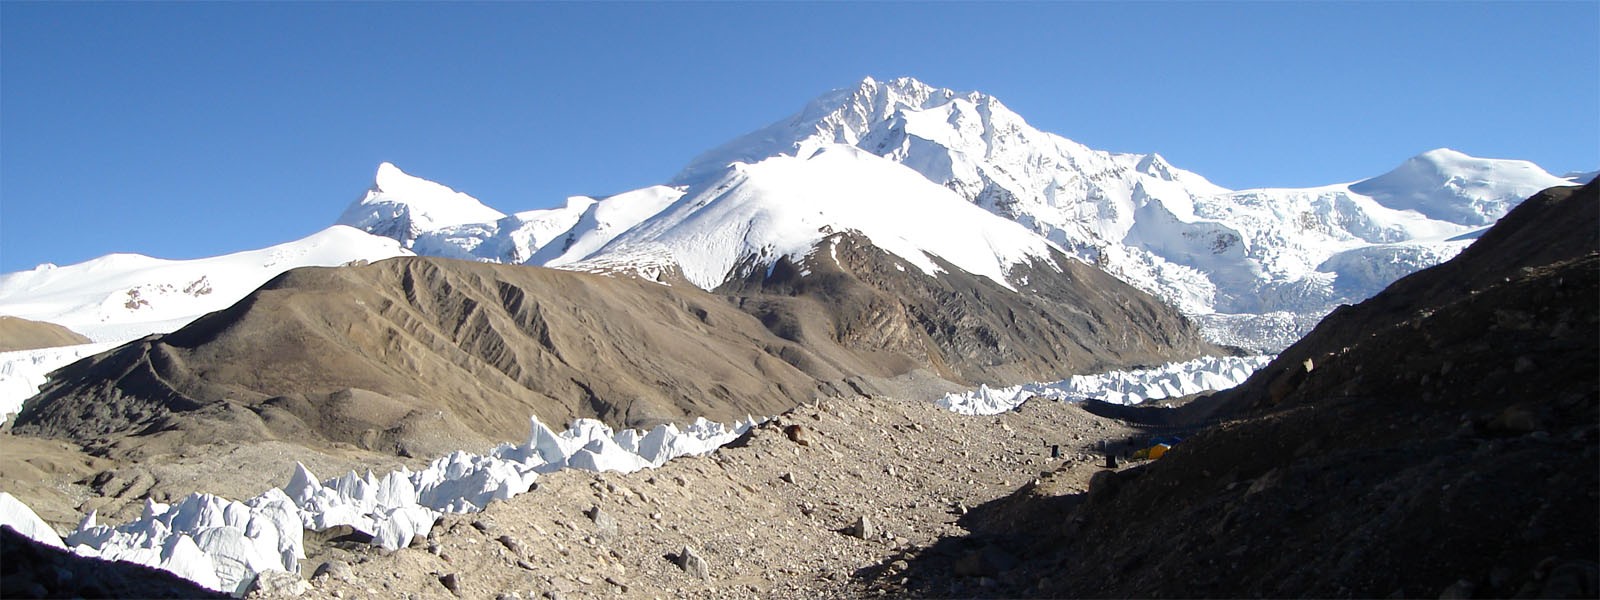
784,206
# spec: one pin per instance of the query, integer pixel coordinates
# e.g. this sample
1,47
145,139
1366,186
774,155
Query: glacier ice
223,544
1118,387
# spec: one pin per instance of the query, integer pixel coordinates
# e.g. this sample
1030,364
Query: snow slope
120,297
751,215
1449,186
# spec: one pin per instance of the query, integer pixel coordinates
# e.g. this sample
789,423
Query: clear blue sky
191,129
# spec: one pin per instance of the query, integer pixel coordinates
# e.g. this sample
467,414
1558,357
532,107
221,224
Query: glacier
1132,386
223,544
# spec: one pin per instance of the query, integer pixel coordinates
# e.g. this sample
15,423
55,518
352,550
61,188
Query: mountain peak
849,115
1453,186
402,206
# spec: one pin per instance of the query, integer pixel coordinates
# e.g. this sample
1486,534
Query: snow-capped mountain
754,214
1257,267
1291,254
119,297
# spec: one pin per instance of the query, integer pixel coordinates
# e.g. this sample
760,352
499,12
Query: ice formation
222,544
1120,387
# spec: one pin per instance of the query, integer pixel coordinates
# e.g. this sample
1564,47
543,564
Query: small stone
277,584
451,582
788,477
334,569
553,595
862,529
692,563
1524,365
798,434
620,585
604,525
1460,590
511,544
482,527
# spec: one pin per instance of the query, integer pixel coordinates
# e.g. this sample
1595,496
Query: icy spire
402,206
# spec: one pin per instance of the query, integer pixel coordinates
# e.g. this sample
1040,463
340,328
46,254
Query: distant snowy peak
754,214
973,144
402,207
1447,185
119,297
1581,177
841,116
1171,232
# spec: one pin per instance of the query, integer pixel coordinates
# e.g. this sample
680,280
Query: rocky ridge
418,356
1439,439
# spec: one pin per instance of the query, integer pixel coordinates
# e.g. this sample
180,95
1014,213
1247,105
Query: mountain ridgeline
420,355
1256,267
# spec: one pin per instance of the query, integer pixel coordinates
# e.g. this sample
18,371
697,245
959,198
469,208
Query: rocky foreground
805,506
800,509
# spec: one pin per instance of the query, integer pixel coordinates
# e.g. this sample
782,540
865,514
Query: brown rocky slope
22,334
1441,439
420,356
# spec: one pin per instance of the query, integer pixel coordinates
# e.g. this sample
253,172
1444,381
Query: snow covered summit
753,214
1447,185
402,207
1258,266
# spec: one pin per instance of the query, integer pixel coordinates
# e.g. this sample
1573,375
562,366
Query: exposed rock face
1068,317
420,356
1448,424
23,334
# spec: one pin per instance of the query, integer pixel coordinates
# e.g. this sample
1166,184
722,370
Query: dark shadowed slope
1446,440
34,570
